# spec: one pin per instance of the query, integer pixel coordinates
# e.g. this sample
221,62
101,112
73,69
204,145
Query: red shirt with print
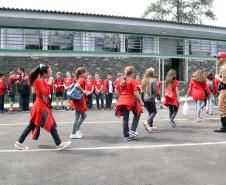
89,85
98,84
68,82
59,85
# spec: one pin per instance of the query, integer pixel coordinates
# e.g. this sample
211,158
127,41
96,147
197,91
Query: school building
103,43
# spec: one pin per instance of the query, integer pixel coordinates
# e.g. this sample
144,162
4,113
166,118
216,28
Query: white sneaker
21,146
64,145
134,135
79,133
76,136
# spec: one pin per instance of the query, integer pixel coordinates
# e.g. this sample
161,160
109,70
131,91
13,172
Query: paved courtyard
191,154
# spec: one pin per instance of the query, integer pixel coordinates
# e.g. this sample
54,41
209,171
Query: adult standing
221,77
24,90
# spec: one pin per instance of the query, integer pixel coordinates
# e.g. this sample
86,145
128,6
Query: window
171,46
32,39
221,46
200,47
14,39
179,65
148,45
60,40
134,44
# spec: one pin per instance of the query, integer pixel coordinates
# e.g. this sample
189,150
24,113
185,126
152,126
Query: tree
181,11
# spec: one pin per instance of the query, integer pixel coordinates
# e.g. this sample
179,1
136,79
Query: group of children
131,95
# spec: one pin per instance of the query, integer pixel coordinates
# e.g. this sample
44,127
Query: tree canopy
181,11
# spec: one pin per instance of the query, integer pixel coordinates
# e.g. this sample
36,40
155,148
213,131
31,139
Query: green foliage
181,11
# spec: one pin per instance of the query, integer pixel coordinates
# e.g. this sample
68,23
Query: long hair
199,77
80,71
170,77
223,72
148,75
39,70
128,71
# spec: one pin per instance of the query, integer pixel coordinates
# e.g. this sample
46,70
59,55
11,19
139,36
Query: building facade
105,44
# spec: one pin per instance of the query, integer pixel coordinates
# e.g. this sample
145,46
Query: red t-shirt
59,85
68,82
98,84
89,85
158,91
129,88
138,84
2,87
82,82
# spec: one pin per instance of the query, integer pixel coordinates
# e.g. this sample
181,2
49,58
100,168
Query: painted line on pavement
119,147
103,122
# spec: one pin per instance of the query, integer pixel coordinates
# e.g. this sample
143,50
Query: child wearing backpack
210,84
198,88
3,88
149,88
79,106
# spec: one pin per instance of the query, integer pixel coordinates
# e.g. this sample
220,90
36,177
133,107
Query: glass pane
171,46
60,40
148,45
14,39
134,44
32,39
221,46
200,47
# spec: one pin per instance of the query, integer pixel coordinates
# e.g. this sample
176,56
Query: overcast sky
132,8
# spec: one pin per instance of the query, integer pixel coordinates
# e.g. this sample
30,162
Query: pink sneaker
21,146
153,129
64,145
147,126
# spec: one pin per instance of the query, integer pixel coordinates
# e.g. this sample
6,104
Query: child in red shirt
173,101
59,88
98,85
158,92
79,106
3,88
138,83
129,101
198,88
89,88
68,82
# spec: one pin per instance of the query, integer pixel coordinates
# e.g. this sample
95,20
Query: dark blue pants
1,103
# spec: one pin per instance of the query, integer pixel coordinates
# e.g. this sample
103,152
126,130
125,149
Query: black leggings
172,111
31,127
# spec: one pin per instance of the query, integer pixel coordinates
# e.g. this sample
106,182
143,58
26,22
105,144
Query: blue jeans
79,118
198,108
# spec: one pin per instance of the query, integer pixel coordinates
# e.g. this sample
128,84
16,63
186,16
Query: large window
200,47
148,45
221,46
171,46
60,40
14,39
33,39
134,44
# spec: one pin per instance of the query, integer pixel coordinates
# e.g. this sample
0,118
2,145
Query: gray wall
102,65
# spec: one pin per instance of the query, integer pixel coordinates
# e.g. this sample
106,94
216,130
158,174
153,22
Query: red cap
221,55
